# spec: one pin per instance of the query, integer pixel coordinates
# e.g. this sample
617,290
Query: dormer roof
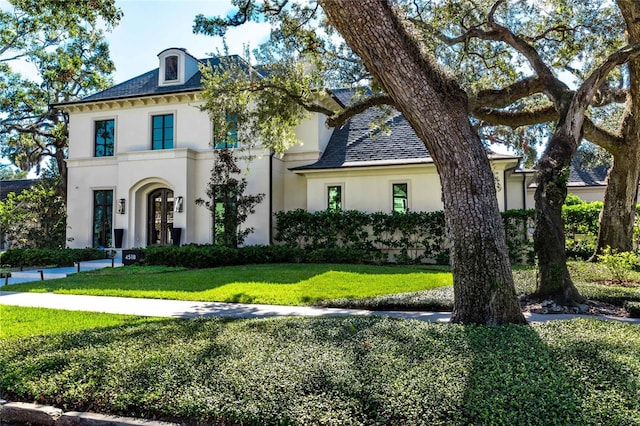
147,84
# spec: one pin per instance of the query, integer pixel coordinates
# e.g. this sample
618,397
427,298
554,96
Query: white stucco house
140,154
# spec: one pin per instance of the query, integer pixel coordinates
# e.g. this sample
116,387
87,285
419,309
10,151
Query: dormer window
176,67
171,68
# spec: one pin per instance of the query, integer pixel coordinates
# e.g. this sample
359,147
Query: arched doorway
160,217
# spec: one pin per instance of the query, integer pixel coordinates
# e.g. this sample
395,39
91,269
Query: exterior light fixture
179,205
121,206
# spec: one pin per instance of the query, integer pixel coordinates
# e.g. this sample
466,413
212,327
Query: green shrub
47,257
620,264
210,256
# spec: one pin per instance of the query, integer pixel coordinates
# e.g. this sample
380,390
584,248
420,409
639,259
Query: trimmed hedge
44,257
415,237
209,256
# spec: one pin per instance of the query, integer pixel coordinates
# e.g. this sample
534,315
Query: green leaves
64,43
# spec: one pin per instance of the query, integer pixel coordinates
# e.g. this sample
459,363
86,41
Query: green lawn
348,370
18,322
283,284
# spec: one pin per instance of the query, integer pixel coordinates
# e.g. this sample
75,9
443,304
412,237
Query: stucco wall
135,170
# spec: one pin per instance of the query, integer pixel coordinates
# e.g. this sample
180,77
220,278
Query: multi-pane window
230,140
162,131
334,197
171,68
400,198
225,216
104,138
102,218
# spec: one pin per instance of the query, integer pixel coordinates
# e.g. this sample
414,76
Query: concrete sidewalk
191,309
55,273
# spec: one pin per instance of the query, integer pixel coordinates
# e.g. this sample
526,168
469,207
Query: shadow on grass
334,370
515,377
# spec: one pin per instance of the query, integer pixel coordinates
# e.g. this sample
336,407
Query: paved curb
46,415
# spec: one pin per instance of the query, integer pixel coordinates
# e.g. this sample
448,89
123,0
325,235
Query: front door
160,217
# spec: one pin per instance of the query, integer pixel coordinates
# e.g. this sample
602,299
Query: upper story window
334,197
231,139
162,131
104,138
176,66
400,198
171,68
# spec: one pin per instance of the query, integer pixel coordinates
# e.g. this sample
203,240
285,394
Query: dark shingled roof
579,175
17,186
356,144
147,84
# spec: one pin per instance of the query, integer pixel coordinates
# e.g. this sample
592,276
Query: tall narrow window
334,197
400,198
102,218
103,138
162,131
225,217
230,140
171,68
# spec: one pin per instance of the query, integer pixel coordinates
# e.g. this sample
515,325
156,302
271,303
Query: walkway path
55,273
190,309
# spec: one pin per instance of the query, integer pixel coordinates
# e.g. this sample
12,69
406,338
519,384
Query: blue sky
150,26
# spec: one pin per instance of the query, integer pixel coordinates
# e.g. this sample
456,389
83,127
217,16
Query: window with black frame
104,138
102,218
334,197
162,131
400,198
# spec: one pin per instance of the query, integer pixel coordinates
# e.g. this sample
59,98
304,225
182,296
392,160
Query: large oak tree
436,106
512,62
64,43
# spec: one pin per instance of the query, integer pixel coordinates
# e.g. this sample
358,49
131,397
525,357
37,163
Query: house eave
168,97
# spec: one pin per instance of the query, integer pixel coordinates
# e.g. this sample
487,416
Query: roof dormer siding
177,66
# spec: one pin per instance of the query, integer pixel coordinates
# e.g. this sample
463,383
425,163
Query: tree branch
554,88
516,118
601,137
336,120
586,92
506,96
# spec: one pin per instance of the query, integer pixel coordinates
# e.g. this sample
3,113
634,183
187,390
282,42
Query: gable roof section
147,84
355,144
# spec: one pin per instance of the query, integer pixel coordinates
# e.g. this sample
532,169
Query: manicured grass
18,322
354,370
282,284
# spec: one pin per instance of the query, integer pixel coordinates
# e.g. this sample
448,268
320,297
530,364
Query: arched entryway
160,217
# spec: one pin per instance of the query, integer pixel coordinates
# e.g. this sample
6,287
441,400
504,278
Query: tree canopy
64,42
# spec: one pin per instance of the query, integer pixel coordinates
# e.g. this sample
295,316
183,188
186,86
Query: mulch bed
590,307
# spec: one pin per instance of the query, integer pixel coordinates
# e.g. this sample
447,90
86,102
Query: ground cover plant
18,322
283,284
348,370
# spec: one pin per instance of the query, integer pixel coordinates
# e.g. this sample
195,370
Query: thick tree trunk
554,281
436,108
618,212
62,169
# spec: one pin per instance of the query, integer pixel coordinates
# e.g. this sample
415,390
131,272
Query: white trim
343,192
